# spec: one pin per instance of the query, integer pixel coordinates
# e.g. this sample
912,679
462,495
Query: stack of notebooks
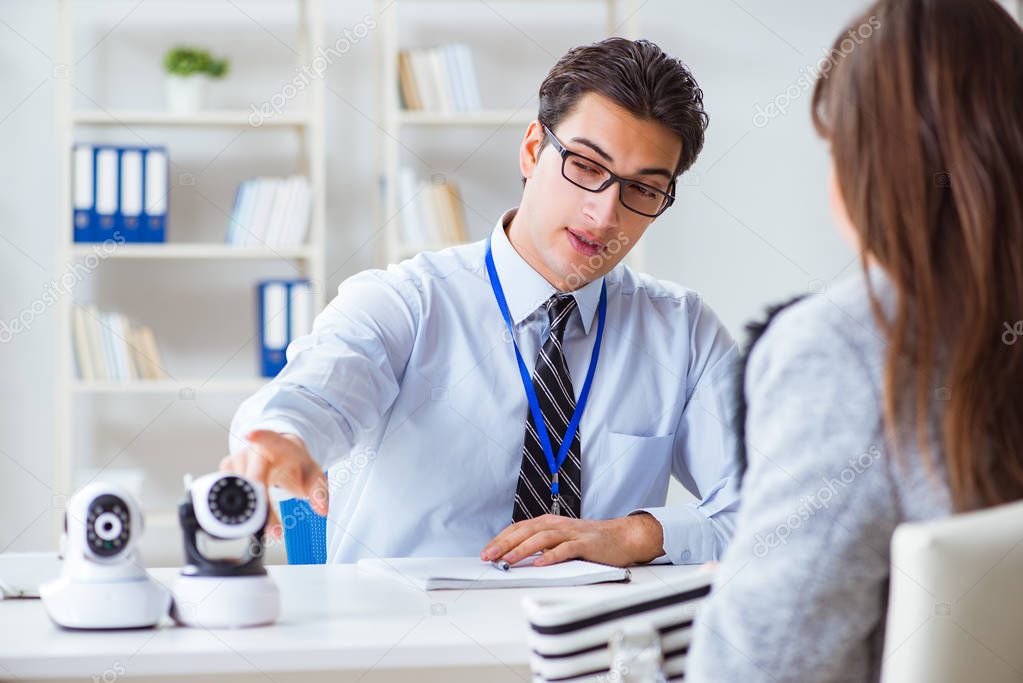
271,212
119,193
439,79
431,213
570,639
109,347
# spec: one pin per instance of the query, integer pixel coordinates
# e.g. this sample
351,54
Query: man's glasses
595,177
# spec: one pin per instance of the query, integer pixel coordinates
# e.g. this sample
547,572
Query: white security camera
224,592
228,506
103,583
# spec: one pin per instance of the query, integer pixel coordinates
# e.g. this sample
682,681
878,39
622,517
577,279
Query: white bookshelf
200,250
308,260
620,19
230,119
491,119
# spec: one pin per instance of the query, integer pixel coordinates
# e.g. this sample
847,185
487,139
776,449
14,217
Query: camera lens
107,525
232,500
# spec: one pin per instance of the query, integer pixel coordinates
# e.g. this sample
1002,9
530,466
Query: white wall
751,225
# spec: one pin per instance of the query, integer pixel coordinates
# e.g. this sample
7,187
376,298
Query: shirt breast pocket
633,472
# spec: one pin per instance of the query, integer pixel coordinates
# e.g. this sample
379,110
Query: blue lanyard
527,382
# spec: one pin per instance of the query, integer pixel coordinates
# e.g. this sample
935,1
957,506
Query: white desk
336,624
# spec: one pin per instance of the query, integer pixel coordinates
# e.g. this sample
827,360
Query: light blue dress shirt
408,391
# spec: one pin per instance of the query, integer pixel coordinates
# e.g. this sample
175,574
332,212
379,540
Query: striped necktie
553,386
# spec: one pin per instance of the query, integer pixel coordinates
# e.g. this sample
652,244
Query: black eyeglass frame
669,197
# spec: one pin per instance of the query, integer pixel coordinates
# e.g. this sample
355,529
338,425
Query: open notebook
434,573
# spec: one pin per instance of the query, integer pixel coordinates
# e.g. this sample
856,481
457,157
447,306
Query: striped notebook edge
570,638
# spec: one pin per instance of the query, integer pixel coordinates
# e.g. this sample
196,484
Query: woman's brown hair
924,115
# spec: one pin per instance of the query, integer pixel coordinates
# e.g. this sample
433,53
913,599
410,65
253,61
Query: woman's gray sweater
801,591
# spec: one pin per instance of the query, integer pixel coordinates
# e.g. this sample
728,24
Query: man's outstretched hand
622,541
275,459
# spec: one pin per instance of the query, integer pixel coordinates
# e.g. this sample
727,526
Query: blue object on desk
305,532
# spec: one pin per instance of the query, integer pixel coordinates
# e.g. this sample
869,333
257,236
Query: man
444,438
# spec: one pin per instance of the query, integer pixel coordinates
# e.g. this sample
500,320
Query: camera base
137,603
225,601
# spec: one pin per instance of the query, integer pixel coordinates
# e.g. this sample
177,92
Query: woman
893,397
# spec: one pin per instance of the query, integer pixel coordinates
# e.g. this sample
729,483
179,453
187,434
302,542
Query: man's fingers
569,550
232,463
534,544
515,534
258,470
264,437
491,546
500,544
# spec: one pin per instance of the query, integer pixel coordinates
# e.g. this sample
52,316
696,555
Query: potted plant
188,71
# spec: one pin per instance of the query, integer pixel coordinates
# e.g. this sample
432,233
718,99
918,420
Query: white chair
955,609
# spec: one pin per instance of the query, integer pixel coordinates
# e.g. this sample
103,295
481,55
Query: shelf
185,250
493,117
171,386
227,118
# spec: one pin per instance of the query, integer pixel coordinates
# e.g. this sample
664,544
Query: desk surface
333,618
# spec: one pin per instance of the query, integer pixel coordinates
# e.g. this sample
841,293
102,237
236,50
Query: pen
500,564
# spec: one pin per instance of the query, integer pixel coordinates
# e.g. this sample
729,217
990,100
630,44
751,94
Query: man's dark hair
638,76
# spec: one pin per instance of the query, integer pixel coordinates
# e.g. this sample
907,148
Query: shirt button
686,555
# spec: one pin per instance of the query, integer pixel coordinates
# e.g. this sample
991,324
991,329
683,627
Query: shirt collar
525,289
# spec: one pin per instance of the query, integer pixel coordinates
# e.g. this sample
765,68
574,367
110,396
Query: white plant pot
185,94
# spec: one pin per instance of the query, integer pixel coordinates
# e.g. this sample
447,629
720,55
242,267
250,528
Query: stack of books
109,347
439,79
271,212
119,193
431,214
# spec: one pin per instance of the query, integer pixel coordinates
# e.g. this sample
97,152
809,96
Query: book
94,343
119,192
431,212
271,212
129,217
83,355
156,195
440,573
153,363
439,79
84,193
109,347
409,92
284,312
